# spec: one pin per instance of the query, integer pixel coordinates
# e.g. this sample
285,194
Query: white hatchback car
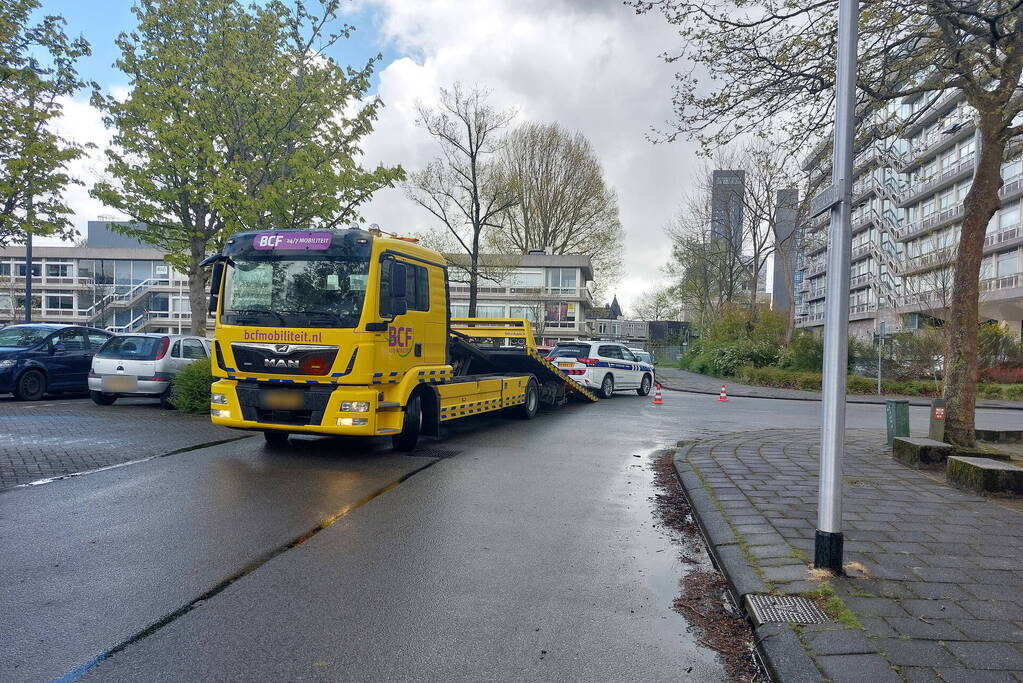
142,365
605,366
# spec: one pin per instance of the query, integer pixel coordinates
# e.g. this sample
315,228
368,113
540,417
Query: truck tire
275,438
607,386
101,399
530,407
410,426
31,386
644,385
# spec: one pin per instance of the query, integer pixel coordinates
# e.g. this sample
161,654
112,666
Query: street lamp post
828,542
29,197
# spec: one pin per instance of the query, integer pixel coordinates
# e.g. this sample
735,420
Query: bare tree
461,187
660,303
564,203
771,65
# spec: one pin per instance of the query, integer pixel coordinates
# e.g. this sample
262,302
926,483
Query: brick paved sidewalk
943,595
682,380
61,436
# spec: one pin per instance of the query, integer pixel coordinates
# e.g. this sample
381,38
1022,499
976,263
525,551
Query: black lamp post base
827,551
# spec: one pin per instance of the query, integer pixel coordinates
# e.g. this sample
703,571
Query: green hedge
811,381
191,388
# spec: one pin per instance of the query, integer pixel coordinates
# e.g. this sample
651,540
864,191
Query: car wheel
530,407
31,386
411,425
166,398
644,386
607,386
101,399
275,438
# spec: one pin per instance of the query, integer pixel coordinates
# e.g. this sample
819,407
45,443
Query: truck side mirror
216,277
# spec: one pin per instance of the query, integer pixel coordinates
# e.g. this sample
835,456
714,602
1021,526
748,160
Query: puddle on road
672,558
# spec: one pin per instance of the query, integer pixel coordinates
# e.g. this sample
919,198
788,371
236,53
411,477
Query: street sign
824,201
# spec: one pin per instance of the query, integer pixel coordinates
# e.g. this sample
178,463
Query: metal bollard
936,429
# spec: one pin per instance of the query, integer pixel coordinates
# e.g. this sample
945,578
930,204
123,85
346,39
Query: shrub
860,385
191,387
805,352
1014,392
991,391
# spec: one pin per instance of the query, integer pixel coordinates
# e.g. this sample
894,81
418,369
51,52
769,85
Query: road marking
82,669
50,480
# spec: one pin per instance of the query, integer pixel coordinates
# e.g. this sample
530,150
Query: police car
605,366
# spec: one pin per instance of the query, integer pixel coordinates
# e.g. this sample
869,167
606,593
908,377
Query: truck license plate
120,383
283,400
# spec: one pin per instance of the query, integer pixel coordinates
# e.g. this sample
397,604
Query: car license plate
283,400
120,383
566,365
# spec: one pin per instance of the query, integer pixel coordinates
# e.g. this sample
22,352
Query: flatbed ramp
507,345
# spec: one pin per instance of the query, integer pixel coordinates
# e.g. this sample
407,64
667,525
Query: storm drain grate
439,453
786,609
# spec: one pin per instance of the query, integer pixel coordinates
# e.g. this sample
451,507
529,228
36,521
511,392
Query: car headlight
220,399
217,412
8,363
352,421
354,407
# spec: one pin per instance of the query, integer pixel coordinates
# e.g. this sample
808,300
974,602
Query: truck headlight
8,363
217,412
220,399
355,407
352,421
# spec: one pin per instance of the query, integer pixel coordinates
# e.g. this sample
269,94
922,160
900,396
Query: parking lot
67,434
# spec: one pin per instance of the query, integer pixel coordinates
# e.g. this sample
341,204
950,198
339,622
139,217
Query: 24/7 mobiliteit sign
269,241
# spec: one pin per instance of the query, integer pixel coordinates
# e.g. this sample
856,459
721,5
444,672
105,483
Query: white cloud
590,66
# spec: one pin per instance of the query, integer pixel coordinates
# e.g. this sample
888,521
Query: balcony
816,293
939,182
940,257
862,222
861,251
811,320
817,265
931,222
862,311
860,281
932,113
1004,238
937,143
1006,282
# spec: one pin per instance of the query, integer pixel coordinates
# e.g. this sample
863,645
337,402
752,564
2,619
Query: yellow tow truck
348,332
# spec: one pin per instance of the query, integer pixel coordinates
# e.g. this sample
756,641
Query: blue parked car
40,359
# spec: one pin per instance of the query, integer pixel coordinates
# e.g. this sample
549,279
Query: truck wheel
101,399
413,422
275,438
31,386
644,386
607,387
529,408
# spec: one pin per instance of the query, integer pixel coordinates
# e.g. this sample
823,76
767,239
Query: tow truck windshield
323,288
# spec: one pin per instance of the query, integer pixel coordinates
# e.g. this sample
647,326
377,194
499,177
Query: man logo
281,348
275,363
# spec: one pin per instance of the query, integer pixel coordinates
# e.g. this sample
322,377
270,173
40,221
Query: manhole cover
433,453
766,609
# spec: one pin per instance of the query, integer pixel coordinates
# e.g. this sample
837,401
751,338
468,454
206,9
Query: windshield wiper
238,312
314,313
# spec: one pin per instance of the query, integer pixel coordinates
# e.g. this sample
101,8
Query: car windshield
131,348
283,289
23,336
570,351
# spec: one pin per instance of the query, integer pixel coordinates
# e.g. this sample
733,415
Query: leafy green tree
33,157
237,119
763,66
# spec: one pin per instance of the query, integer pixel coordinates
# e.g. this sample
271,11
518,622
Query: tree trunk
961,359
197,294
474,271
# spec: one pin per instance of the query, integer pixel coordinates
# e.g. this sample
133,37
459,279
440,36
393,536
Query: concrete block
1000,435
921,453
984,475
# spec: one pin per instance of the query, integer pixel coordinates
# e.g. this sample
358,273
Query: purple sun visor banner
269,241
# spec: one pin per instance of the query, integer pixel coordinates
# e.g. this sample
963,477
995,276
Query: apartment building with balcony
876,252
908,207
553,291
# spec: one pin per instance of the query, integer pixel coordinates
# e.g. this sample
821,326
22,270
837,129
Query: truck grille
284,359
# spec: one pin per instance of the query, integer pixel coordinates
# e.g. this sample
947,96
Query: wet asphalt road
507,551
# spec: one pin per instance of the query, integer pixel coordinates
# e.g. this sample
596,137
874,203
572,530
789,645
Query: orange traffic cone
657,397
723,398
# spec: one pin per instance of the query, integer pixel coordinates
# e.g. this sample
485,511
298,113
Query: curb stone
777,644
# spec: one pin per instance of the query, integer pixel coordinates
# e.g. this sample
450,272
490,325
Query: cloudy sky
591,65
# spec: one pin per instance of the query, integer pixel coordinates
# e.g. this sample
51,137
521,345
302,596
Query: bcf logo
400,339
268,241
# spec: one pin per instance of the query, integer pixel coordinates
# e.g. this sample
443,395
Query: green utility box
896,414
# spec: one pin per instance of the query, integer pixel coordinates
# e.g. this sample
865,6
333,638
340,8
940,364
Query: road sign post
828,538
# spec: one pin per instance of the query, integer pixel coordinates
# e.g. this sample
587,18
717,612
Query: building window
5,269
561,312
489,311
62,302
37,270
1008,263
562,280
58,270
526,279
459,310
